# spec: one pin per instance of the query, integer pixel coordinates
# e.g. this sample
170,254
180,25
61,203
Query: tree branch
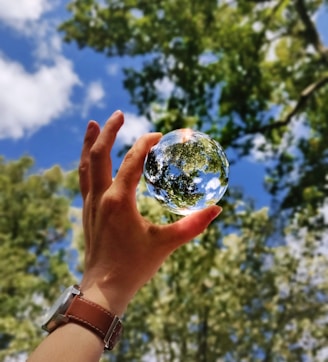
305,95
311,31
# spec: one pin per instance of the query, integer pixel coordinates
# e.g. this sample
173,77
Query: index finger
100,161
129,174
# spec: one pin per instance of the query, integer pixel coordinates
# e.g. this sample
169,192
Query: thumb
187,228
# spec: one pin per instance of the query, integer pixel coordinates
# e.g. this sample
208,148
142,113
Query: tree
253,75
229,296
247,72
35,250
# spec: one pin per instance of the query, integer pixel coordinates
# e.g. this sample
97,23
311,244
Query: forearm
70,342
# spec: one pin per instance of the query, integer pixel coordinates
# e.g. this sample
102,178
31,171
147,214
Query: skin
123,250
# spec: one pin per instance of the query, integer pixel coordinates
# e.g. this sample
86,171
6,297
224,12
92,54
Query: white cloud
257,26
273,40
263,150
22,357
94,96
324,209
112,69
265,5
43,33
32,100
207,58
213,184
48,43
13,12
133,128
165,86
210,196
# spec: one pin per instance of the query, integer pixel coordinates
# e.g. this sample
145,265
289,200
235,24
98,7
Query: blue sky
49,91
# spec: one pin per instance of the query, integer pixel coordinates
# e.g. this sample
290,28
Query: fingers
100,162
129,174
188,227
91,135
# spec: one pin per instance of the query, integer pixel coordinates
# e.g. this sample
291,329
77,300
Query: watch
72,307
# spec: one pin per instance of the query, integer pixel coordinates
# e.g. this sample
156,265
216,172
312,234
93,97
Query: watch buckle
62,319
111,330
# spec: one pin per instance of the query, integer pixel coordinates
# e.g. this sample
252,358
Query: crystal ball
186,171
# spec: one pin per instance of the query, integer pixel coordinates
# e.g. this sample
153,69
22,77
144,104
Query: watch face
54,315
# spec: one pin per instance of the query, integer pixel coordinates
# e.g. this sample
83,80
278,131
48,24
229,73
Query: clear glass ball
186,171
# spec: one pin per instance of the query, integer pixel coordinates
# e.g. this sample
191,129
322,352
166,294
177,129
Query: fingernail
216,212
91,126
116,113
91,129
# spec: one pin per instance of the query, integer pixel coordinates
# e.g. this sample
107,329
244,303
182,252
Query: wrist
113,299
72,306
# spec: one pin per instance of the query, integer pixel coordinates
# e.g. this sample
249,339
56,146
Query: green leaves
33,226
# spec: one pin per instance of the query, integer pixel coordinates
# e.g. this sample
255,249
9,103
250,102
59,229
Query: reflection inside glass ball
186,171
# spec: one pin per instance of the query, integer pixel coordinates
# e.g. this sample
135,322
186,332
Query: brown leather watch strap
97,319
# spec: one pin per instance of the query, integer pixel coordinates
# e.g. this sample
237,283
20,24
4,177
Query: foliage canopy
34,252
253,74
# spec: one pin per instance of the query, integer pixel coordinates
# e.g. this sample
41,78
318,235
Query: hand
122,249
